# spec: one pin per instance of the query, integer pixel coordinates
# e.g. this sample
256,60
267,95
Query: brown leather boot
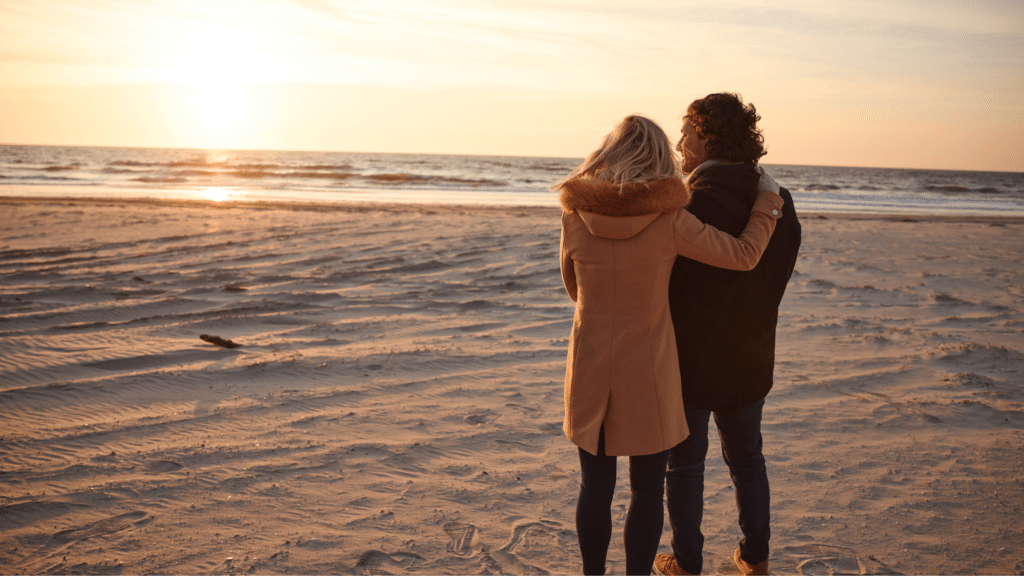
665,565
748,569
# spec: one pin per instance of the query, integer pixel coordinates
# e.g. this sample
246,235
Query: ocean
339,177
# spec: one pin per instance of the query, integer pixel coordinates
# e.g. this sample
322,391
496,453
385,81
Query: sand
395,404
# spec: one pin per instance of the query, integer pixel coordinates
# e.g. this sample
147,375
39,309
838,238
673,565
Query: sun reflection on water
215,194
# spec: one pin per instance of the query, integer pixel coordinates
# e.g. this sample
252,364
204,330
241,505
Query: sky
914,84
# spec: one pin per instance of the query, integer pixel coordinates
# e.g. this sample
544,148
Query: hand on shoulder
767,183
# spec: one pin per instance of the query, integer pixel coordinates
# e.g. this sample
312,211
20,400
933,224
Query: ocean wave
252,173
289,174
552,167
196,163
956,189
274,168
258,174
47,178
134,163
403,178
329,175
179,175
60,168
198,173
161,179
322,167
399,178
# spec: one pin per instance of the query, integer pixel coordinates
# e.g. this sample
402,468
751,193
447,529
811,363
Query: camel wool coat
617,249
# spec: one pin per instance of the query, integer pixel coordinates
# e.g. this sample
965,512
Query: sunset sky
915,83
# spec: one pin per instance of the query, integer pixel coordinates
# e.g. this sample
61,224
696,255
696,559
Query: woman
623,223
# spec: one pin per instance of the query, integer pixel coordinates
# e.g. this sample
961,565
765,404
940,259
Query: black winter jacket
725,320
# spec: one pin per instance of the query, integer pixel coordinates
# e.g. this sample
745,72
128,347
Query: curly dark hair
729,127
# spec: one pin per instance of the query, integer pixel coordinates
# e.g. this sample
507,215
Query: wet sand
395,404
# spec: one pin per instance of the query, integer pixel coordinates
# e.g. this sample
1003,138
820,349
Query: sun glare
219,106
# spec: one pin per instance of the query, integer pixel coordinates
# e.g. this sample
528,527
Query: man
725,332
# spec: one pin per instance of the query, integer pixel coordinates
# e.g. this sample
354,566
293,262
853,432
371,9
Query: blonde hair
635,151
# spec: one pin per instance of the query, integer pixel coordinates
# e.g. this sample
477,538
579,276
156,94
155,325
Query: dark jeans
644,520
740,433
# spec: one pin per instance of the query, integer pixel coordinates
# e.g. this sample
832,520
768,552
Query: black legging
645,518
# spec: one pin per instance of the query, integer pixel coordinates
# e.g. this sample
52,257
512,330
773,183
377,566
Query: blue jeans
740,433
645,517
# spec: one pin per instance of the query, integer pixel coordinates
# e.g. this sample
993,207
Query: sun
219,106
215,61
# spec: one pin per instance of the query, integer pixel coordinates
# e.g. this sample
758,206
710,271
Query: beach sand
395,404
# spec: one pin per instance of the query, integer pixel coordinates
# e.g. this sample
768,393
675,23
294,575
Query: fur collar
635,198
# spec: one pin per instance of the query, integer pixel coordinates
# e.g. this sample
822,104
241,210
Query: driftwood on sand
219,341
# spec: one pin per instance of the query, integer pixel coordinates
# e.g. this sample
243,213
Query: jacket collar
630,199
732,187
689,178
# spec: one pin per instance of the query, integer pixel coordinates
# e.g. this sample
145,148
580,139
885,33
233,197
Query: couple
659,343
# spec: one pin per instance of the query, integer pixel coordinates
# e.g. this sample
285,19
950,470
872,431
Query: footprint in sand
162,466
521,533
462,536
828,559
105,526
477,418
377,562
526,410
